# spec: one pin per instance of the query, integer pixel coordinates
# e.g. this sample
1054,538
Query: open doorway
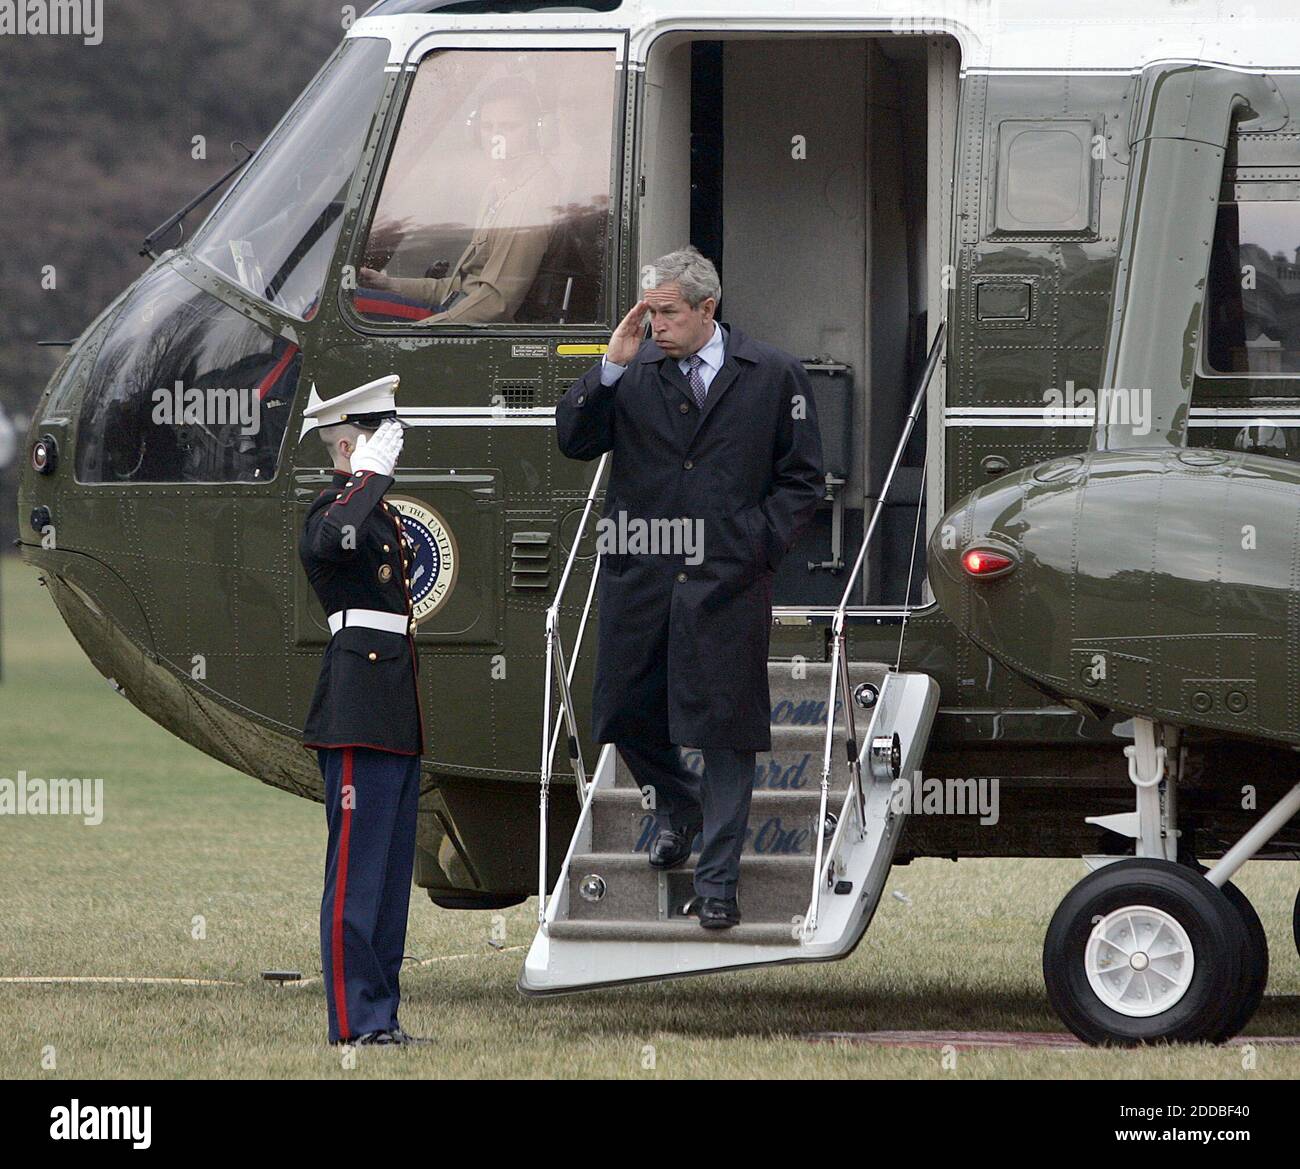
814,171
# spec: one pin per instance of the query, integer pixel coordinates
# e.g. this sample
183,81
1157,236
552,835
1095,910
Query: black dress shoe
715,913
671,848
405,1038
369,1039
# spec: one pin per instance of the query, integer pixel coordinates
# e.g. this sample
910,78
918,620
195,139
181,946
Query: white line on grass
422,962
56,980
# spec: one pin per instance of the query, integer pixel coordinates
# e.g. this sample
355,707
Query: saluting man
365,722
719,429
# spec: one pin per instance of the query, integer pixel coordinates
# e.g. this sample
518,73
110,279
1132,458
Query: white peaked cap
366,405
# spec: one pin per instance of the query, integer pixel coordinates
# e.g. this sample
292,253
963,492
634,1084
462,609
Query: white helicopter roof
995,35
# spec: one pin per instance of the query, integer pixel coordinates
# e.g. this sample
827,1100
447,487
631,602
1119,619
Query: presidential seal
435,563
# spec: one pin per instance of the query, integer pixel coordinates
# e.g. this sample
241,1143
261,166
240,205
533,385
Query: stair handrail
559,671
839,656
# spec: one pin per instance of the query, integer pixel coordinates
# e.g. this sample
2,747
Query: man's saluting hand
626,341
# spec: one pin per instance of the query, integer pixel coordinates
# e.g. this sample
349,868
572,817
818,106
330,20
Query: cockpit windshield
275,232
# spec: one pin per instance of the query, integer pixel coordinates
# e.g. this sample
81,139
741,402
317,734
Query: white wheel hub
1139,961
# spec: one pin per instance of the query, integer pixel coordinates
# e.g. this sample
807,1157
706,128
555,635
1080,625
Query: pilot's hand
627,338
372,278
380,452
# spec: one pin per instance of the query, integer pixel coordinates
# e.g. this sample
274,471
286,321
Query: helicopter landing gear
1147,949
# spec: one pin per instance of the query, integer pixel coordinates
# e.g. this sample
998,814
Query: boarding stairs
613,919
826,817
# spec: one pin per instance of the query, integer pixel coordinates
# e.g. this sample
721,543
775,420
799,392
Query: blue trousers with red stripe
370,804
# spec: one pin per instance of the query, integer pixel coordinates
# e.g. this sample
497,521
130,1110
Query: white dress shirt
713,354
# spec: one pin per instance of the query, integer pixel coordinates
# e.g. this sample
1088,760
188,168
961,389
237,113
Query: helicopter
1041,271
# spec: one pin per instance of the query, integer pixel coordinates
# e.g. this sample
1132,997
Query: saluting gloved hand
380,452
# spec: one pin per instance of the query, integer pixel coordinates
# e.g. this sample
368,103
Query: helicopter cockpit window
275,234
185,390
1253,302
495,205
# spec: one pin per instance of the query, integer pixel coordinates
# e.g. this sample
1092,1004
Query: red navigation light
984,562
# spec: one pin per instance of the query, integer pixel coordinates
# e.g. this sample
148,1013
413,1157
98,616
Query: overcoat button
684,408
581,399
387,548
374,657
688,465
682,578
385,573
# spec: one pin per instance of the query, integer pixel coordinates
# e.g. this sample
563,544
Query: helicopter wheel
1254,963
1254,960
1295,922
1147,951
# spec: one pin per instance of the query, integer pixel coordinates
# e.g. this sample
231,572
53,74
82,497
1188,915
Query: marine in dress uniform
365,722
715,427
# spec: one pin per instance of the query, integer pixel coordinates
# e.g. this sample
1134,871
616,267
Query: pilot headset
516,87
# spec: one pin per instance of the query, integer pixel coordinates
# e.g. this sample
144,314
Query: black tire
1254,961
1215,929
1295,923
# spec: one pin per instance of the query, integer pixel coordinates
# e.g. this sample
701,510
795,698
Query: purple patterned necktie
696,380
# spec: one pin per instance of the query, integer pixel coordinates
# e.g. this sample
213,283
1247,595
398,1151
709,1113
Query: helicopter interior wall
800,164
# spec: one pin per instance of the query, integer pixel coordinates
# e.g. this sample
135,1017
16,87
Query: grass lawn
198,872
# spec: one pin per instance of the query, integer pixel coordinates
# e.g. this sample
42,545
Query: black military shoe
369,1039
715,913
671,848
406,1039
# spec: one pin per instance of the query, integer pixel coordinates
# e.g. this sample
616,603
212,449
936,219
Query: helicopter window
496,202
185,390
1253,302
275,234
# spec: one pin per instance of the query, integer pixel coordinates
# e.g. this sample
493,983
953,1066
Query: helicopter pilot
514,225
364,722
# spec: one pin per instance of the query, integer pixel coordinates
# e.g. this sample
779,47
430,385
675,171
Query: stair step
781,823
802,700
772,890
794,764
685,930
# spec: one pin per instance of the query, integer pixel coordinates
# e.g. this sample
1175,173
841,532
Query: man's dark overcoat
682,647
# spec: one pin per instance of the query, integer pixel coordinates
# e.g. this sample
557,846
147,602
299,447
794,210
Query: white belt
370,619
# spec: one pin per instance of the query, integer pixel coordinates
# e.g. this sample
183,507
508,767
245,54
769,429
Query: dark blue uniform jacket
357,557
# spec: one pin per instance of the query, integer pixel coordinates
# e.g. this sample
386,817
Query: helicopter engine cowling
1161,583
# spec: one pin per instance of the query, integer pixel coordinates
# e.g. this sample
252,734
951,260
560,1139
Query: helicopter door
802,167
495,212
482,271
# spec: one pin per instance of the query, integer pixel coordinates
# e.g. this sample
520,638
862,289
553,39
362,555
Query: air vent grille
530,561
517,393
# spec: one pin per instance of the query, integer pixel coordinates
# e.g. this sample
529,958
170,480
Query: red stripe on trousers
340,895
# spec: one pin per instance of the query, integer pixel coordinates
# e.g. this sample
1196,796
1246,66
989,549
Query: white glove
381,452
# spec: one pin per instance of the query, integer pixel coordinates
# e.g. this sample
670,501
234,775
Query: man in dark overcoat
716,469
